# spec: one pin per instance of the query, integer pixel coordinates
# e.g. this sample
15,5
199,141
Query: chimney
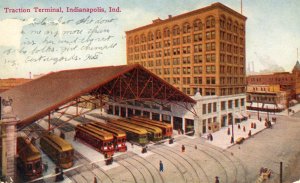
170,16
29,75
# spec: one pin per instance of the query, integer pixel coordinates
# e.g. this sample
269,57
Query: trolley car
59,150
119,135
166,128
154,133
29,159
133,132
101,140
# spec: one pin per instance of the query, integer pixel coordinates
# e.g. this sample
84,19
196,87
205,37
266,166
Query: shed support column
198,126
114,110
126,112
183,125
119,110
172,121
150,115
160,117
9,142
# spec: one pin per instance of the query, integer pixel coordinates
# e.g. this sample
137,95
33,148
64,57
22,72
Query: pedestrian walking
196,147
161,166
244,128
211,137
249,134
228,131
208,136
217,180
95,179
132,145
182,148
239,126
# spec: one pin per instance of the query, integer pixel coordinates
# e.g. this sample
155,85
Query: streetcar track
226,175
135,180
171,160
228,157
161,178
189,162
133,159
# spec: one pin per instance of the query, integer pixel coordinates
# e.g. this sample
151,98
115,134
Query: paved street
202,160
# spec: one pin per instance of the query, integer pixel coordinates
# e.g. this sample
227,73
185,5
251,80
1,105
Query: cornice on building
213,6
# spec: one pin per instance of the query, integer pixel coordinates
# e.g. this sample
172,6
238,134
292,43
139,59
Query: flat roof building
202,50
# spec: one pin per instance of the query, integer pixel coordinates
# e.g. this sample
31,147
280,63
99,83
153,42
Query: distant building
281,89
296,74
6,84
266,97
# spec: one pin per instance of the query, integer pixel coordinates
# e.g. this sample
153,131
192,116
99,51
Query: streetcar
58,149
133,132
99,139
119,135
154,133
166,128
29,159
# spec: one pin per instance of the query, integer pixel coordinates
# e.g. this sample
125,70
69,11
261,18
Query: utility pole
241,6
232,137
280,172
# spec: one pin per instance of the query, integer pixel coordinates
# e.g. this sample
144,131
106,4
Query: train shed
56,91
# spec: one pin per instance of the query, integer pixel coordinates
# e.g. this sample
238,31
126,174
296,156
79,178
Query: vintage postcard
150,91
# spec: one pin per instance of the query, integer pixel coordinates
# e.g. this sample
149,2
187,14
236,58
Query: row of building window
197,25
204,90
210,69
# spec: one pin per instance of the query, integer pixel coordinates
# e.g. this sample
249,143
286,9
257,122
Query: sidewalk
295,108
222,139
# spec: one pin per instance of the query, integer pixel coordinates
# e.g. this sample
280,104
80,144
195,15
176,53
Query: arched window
166,32
143,38
136,40
186,28
158,34
235,27
242,29
150,36
130,41
197,25
176,30
210,22
223,21
229,24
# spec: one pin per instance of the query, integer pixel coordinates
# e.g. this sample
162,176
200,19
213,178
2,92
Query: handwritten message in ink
62,40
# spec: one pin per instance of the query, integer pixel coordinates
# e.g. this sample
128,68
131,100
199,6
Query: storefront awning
238,115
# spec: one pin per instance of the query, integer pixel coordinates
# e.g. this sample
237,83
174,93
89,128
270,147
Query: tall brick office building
202,49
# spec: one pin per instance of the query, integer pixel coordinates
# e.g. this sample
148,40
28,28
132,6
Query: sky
272,32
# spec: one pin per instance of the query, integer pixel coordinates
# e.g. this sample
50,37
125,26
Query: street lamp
257,111
232,137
